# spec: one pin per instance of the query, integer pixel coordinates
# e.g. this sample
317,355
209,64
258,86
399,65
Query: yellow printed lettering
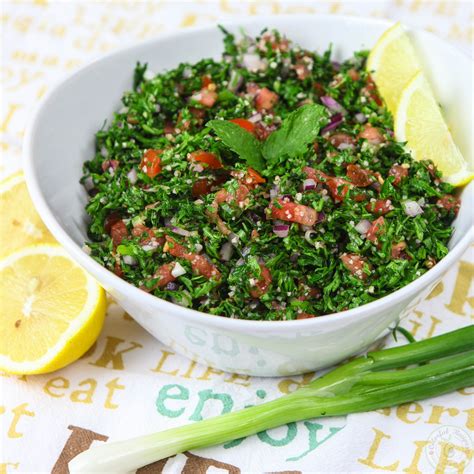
409,409
413,467
210,371
234,378
112,386
57,383
112,356
437,411
161,363
84,396
370,459
461,289
18,412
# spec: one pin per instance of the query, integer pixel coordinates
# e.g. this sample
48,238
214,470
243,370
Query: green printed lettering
313,429
166,394
204,396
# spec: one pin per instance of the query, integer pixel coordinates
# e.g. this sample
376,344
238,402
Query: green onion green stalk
435,366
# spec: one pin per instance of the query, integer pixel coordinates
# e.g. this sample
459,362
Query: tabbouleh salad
267,185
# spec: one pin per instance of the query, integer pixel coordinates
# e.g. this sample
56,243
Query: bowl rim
124,287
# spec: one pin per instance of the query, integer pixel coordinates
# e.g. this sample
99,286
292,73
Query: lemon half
51,310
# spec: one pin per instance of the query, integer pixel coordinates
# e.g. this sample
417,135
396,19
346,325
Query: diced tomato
164,275
254,234
305,316
205,81
319,89
201,187
118,232
245,124
360,197
370,91
118,269
399,173
315,174
151,163
209,159
291,212
239,196
375,229
302,70
253,178
199,263
205,97
263,283
380,206
265,99
372,134
341,139
449,203
355,264
147,234
338,187
359,176
110,220
398,251
268,38
169,128
353,74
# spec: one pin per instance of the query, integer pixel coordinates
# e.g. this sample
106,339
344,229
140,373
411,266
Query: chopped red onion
332,104
335,121
360,117
187,72
321,217
226,252
110,166
254,63
412,208
104,152
233,239
235,81
178,270
294,257
255,118
171,286
363,226
275,189
129,260
152,245
88,183
132,176
336,65
180,231
309,184
345,146
281,230
197,167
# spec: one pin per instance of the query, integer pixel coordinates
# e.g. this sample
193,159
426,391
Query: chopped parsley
266,185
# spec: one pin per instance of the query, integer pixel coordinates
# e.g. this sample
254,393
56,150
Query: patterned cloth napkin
128,383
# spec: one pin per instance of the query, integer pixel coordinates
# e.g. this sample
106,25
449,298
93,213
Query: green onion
435,366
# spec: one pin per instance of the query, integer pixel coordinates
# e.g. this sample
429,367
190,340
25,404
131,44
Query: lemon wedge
51,310
20,225
420,123
392,62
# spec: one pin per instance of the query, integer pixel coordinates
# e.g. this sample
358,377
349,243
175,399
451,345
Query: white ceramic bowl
61,137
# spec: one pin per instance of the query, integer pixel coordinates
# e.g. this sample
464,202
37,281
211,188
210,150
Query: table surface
128,383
